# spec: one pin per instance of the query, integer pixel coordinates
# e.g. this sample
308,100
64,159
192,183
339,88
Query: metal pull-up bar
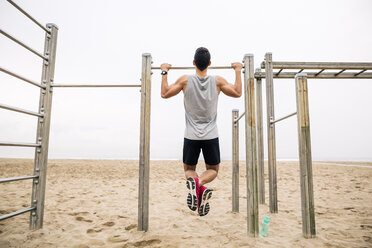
7,216
7,107
12,179
282,118
4,143
28,15
21,77
319,65
319,75
193,67
237,119
95,85
23,44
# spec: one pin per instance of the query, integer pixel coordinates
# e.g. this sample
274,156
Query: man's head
202,58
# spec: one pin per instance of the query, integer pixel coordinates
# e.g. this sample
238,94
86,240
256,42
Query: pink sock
202,188
197,186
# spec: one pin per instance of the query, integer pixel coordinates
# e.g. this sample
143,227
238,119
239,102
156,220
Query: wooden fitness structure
253,134
254,147
44,114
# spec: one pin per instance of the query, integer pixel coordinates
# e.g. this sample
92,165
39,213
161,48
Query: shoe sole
204,205
192,200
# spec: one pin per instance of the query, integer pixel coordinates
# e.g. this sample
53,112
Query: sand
93,203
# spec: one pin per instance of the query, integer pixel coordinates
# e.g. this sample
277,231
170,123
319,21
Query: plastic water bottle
264,227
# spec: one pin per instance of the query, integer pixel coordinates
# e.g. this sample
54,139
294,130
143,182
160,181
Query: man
200,100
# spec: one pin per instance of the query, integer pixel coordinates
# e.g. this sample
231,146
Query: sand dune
93,203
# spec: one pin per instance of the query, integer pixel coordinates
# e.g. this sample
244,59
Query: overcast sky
102,42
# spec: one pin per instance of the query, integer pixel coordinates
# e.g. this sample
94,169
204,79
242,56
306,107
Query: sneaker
205,195
192,198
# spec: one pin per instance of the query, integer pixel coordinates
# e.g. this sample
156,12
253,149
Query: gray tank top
200,100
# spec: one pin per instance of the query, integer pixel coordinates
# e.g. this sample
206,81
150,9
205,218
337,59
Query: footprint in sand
366,226
81,246
130,227
143,243
79,218
94,230
348,208
78,213
117,239
367,239
109,223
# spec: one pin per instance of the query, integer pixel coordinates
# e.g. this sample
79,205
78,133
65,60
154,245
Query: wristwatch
164,72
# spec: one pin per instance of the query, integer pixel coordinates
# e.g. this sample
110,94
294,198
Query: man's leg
191,151
205,194
211,152
192,185
209,175
190,171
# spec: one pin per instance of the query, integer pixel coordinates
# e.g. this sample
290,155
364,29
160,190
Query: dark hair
202,58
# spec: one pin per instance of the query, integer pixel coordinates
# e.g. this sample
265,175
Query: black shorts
210,148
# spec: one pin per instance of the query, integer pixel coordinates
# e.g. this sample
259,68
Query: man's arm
168,91
233,90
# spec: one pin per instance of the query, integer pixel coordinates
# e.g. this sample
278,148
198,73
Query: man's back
200,101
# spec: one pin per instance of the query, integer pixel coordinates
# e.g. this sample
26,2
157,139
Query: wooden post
306,174
250,141
235,161
43,127
260,144
273,195
144,155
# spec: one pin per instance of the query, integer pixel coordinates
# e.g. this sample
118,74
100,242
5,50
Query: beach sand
93,203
